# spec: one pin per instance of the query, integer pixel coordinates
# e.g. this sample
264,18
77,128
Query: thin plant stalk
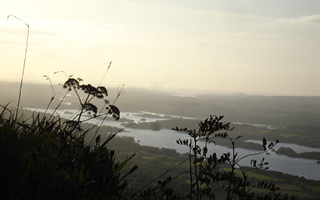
52,114
232,163
24,62
52,91
120,91
105,73
190,169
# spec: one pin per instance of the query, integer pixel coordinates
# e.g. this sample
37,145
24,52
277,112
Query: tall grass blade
24,62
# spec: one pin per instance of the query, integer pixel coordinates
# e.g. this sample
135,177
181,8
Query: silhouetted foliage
207,172
46,157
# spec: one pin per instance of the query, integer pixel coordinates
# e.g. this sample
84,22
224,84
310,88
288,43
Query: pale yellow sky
249,46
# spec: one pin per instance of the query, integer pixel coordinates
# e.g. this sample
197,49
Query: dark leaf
264,143
103,90
114,111
71,83
90,107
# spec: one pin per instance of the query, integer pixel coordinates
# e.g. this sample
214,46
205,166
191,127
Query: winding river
307,168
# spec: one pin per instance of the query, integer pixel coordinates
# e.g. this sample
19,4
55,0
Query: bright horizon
255,47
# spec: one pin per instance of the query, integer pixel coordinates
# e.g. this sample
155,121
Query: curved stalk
24,62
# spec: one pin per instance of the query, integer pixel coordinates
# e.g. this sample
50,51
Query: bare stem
24,62
120,91
105,73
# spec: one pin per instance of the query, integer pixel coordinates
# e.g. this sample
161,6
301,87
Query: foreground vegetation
29,171
57,158
47,160
46,157
53,158
154,162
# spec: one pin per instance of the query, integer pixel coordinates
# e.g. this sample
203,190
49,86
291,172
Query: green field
154,162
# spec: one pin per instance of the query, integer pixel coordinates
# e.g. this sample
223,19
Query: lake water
164,138
295,147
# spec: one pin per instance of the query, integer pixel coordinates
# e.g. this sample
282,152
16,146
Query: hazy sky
249,46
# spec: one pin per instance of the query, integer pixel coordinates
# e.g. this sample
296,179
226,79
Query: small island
291,153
